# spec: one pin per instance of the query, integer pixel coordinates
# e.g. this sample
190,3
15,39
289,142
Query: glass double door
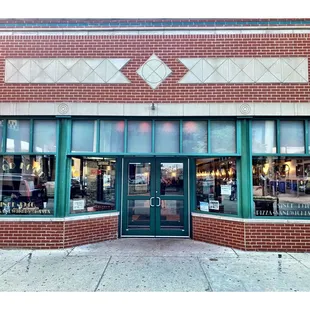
155,197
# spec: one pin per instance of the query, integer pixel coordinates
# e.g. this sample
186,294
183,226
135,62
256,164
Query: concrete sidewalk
147,265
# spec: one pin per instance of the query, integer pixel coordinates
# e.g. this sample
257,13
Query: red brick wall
56,235
253,236
169,48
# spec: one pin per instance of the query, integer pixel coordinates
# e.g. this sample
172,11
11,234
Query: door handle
151,200
159,202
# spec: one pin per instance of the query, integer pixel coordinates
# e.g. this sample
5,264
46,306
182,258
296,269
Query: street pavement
153,265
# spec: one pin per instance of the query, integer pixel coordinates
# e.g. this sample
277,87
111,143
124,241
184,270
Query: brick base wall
252,236
57,235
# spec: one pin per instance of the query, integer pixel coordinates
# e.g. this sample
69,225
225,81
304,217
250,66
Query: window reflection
27,184
281,186
216,185
92,184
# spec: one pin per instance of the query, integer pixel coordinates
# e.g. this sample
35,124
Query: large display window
27,167
92,184
216,185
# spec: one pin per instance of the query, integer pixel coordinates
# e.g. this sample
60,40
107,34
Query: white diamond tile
43,62
233,69
190,78
302,69
60,71
50,70
9,70
207,70
197,70
93,78
18,78
93,63
241,77
249,69
241,62
268,62
18,62
68,62
294,62
68,78
119,63
259,69
294,77
215,62
110,70
215,77
276,70
154,71
80,70
268,78
25,70
119,78
42,77
101,70
189,63
223,70
35,70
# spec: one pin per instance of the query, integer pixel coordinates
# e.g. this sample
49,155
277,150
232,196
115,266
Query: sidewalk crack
96,288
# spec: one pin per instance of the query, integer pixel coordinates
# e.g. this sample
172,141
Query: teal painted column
246,170
62,166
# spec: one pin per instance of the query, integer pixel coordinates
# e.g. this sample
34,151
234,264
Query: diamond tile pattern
154,71
245,70
65,70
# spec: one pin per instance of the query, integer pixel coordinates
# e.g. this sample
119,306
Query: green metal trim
89,213
245,171
97,124
192,182
62,176
153,137
181,136
278,137
4,135
126,136
238,137
31,138
306,138
209,135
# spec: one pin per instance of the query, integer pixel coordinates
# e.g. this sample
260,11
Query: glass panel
139,137
1,133
84,136
195,137
292,137
139,179
44,138
138,214
18,136
112,136
216,185
27,184
281,186
92,185
264,137
172,214
171,179
167,137
223,137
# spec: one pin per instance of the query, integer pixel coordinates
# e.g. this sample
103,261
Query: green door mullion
278,135
306,124
62,168
31,136
4,135
126,136
181,137
238,137
246,171
98,136
153,137
209,136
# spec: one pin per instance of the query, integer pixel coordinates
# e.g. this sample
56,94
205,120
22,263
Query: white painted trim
56,219
227,109
253,221
153,31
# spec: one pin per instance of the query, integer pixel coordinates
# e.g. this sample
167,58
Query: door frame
155,160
